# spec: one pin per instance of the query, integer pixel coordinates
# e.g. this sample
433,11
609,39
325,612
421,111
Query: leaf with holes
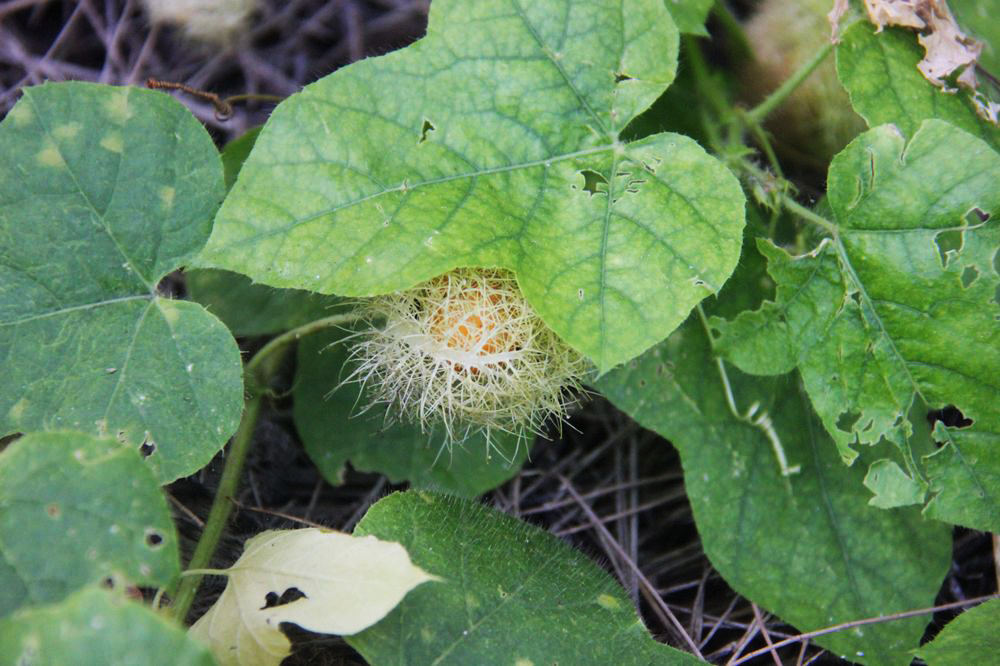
971,638
76,510
509,593
494,141
103,191
769,534
879,71
325,582
898,312
335,426
96,627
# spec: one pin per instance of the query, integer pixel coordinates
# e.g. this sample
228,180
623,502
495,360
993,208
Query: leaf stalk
257,375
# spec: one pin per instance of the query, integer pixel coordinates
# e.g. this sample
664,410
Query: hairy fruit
467,351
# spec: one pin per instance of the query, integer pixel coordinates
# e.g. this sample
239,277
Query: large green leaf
971,638
495,141
805,546
899,309
509,593
335,427
96,627
103,191
880,73
77,509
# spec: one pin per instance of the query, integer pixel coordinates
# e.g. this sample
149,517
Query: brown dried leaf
947,49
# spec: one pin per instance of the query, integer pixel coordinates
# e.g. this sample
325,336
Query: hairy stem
257,375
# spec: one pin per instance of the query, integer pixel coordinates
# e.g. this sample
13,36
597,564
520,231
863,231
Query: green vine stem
757,114
257,375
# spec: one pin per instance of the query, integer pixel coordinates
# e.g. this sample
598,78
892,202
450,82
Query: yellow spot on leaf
49,156
67,131
167,196
20,115
112,141
521,661
17,410
607,601
171,313
117,107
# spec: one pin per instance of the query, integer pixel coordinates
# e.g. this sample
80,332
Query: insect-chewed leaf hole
426,128
273,599
949,243
594,182
154,539
950,415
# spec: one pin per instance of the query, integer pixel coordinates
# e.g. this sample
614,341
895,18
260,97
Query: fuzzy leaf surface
761,529
96,627
509,593
494,141
103,191
76,509
971,638
900,309
879,71
334,429
345,583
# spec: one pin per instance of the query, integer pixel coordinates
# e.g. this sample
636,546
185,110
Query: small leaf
690,15
971,638
255,309
325,582
96,627
335,427
764,531
494,141
509,593
880,73
103,191
75,510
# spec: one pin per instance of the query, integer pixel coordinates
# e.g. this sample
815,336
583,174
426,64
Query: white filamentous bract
466,350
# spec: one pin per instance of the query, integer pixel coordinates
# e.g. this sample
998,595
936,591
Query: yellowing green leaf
496,141
326,582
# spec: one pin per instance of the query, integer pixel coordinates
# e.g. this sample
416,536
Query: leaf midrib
406,186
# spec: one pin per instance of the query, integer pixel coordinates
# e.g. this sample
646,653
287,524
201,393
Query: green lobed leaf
762,530
334,428
103,191
494,141
509,593
897,312
96,627
971,638
255,309
879,71
76,510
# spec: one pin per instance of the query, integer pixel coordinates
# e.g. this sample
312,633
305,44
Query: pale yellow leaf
349,583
